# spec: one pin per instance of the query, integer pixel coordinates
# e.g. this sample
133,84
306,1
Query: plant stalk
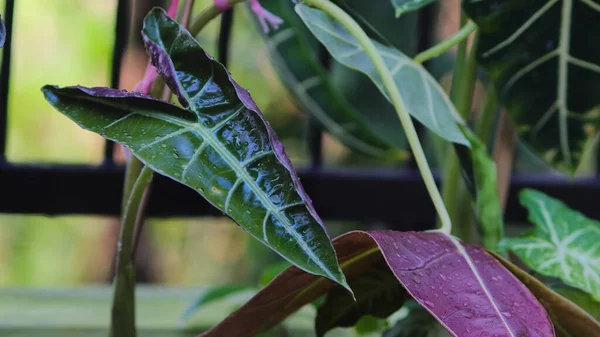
445,45
207,15
388,81
123,309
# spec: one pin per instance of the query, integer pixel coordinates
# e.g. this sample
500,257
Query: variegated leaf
564,243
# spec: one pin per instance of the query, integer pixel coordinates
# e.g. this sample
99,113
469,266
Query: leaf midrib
241,172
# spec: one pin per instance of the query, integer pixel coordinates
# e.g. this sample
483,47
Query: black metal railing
397,197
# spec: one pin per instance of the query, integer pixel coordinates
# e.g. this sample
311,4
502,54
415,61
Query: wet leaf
221,146
569,319
465,288
403,6
564,244
546,66
377,292
425,100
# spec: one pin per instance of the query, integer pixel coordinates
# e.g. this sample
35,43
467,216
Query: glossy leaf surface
377,292
466,289
424,98
403,6
294,52
2,33
564,244
568,319
226,152
546,66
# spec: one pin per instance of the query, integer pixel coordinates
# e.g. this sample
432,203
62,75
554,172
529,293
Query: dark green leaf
424,98
546,66
418,323
403,6
565,244
378,294
224,149
295,54
208,296
485,187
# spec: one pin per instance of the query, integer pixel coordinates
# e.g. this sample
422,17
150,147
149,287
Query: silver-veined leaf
564,244
545,62
424,98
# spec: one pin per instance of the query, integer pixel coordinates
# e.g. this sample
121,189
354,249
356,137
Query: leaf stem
388,81
123,309
445,45
207,14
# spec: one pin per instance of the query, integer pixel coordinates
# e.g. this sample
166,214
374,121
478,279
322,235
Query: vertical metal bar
9,10
121,35
315,130
225,36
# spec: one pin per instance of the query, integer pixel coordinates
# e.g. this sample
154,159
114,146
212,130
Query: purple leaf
468,291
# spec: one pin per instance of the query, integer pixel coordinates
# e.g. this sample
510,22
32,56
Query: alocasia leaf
569,319
546,66
294,52
377,292
2,33
222,146
424,98
465,288
564,244
403,6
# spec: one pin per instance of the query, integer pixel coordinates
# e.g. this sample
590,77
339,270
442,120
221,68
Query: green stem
132,170
123,309
207,14
390,86
445,45
488,115
454,193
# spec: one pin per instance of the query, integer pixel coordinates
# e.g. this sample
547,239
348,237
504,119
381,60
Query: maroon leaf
468,291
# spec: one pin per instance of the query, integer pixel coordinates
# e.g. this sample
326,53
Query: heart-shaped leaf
569,319
294,53
378,294
564,243
403,6
223,147
424,98
466,289
2,32
546,67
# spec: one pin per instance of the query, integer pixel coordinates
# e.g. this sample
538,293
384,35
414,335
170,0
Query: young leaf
568,318
403,6
466,289
208,296
294,52
229,154
564,244
2,32
545,66
481,179
424,98
377,292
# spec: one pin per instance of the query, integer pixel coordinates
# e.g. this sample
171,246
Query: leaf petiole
390,86
445,45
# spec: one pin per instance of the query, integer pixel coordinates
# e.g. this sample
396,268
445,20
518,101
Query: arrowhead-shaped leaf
466,289
569,319
424,98
403,6
546,67
294,52
224,149
564,243
2,33
378,294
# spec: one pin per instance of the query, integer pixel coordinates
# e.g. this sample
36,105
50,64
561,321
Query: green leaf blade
564,243
404,6
422,95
